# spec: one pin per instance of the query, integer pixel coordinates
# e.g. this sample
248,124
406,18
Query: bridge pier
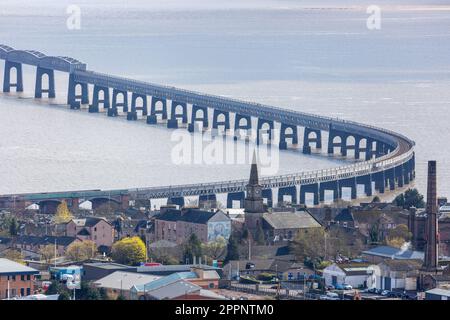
153,117
369,149
132,114
238,126
367,182
268,194
284,135
390,178
207,200
379,179
40,72
195,118
329,185
399,175
259,130
179,201
342,144
225,122
307,139
72,97
287,191
112,112
309,188
48,206
348,183
94,107
172,123
235,196
7,77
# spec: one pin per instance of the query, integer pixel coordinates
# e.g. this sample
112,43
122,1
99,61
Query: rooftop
394,253
291,220
439,291
191,215
124,280
88,222
11,267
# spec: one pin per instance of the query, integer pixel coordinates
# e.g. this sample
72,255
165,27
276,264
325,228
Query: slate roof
11,267
345,215
88,222
189,215
291,220
84,232
44,240
403,265
394,253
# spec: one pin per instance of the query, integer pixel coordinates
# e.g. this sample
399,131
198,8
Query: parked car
384,292
330,287
347,286
329,296
339,287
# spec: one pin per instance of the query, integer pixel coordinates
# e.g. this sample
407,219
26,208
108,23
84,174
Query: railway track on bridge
395,165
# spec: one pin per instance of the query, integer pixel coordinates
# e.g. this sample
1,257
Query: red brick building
16,279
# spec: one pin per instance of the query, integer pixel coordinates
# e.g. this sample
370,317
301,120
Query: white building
355,275
395,274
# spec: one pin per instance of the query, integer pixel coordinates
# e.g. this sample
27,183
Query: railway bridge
381,159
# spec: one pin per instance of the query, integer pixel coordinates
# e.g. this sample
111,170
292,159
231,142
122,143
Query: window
13,278
28,291
22,278
22,292
28,277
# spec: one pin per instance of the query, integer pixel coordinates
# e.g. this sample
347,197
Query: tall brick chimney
431,232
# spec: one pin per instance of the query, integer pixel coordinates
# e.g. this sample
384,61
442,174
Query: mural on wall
219,229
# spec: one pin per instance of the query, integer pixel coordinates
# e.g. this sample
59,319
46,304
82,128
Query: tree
130,251
57,287
309,245
87,292
13,227
400,231
232,249
214,249
411,198
48,253
14,255
63,215
81,251
192,248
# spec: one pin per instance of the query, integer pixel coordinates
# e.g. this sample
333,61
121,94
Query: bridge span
386,158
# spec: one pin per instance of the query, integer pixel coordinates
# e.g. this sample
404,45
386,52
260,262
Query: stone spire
254,180
431,231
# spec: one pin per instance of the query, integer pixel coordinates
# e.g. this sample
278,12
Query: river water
311,56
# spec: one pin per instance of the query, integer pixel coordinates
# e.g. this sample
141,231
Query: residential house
16,279
354,274
31,245
278,267
178,225
95,229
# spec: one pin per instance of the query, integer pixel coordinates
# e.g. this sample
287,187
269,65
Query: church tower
254,203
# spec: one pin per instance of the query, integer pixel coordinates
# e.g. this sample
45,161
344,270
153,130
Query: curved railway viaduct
385,158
